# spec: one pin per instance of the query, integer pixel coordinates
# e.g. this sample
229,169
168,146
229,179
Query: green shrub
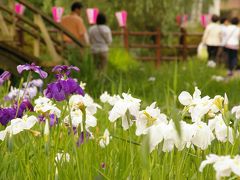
122,60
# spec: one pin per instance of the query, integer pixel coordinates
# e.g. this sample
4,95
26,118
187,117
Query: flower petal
185,98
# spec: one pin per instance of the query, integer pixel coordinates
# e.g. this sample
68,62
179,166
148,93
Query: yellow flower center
81,106
150,119
218,102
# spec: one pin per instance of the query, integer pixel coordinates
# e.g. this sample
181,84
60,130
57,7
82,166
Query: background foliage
143,14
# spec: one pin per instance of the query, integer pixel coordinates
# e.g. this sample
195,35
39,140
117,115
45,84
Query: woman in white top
100,37
232,44
224,22
222,56
212,38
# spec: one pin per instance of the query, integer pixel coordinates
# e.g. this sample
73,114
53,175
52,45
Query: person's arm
86,39
83,32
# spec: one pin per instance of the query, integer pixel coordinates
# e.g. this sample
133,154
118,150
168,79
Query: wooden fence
157,45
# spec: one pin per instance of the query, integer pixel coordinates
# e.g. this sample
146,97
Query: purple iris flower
53,120
62,70
4,76
24,106
52,117
7,114
41,118
37,83
32,67
103,165
61,89
74,129
83,137
34,83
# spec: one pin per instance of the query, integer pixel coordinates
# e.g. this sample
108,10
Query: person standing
212,38
74,24
223,25
232,44
222,57
100,37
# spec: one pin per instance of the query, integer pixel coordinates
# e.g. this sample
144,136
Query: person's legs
214,53
226,57
209,50
228,61
100,60
103,60
96,60
232,60
233,57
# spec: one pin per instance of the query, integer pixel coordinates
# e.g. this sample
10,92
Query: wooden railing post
158,47
183,43
20,34
125,38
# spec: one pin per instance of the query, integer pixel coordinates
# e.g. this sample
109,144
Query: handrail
145,33
152,33
50,21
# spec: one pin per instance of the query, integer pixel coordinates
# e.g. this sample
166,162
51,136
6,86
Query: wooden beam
39,21
6,38
12,27
3,26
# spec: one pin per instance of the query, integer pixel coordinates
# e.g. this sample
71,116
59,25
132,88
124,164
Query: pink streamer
205,19
122,18
19,8
92,14
57,13
181,19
